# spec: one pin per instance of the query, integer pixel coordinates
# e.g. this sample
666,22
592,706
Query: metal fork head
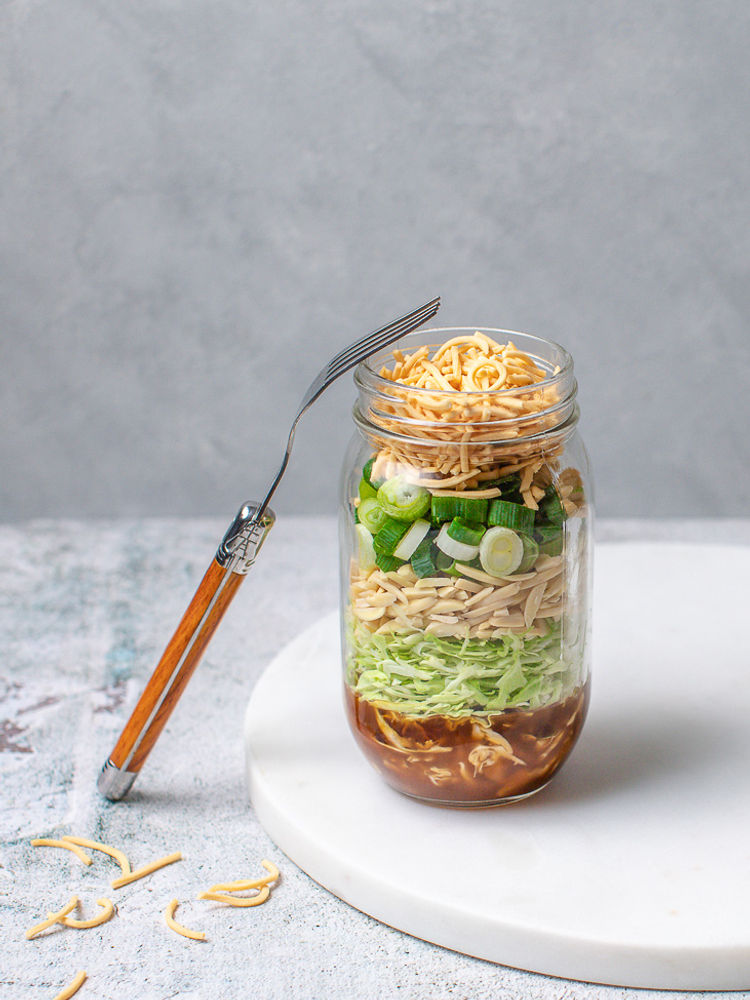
371,343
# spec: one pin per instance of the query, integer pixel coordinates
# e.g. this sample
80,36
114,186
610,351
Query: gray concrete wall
199,202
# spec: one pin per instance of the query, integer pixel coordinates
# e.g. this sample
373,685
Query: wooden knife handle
175,668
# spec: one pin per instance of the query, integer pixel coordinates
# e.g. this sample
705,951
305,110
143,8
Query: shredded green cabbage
419,674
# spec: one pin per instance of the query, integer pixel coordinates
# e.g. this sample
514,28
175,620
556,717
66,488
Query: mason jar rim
365,375
526,418
372,429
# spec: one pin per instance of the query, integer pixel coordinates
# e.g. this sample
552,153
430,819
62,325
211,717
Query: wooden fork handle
221,582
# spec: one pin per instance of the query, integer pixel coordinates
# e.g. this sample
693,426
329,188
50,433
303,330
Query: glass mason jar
466,560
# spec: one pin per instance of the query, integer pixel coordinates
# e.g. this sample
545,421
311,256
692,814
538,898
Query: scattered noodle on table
220,897
179,928
169,859
95,845
52,918
49,842
72,988
107,913
244,884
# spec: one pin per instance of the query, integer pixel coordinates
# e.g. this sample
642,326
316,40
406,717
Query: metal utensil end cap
115,783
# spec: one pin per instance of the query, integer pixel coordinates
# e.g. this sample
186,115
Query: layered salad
464,635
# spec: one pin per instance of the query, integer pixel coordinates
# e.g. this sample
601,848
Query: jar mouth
561,408
524,412
553,359
562,429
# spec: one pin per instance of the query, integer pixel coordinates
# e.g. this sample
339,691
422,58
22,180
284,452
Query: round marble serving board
631,868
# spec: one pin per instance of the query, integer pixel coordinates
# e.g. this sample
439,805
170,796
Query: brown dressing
473,760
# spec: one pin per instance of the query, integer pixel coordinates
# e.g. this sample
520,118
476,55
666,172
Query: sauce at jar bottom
472,760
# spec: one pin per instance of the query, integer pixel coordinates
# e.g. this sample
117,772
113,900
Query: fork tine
394,330
372,342
372,347
366,350
362,348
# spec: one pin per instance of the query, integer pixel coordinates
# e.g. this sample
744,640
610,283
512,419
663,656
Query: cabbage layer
419,674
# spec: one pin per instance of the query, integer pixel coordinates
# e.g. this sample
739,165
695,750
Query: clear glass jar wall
465,543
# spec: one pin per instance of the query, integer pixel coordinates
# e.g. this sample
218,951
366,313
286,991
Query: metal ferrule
114,783
245,535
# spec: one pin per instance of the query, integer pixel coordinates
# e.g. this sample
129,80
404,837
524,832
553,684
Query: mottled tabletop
85,611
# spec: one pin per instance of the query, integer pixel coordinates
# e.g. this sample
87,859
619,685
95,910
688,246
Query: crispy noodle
49,842
52,918
107,913
95,845
179,928
170,859
73,987
221,897
475,403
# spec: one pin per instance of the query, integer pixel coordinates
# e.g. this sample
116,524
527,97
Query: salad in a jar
465,594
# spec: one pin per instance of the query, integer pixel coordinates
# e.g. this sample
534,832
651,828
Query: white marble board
631,868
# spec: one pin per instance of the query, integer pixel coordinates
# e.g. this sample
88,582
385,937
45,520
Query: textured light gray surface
198,202
85,610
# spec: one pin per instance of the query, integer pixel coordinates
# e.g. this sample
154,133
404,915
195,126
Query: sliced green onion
387,563
510,483
500,551
442,561
367,474
421,561
408,544
546,532
389,535
372,515
466,531
365,551
456,550
446,508
511,488
551,508
366,490
530,554
553,546
403,500
472,508
515,516
443,508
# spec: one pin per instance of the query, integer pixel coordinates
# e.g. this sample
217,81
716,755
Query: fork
235,555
